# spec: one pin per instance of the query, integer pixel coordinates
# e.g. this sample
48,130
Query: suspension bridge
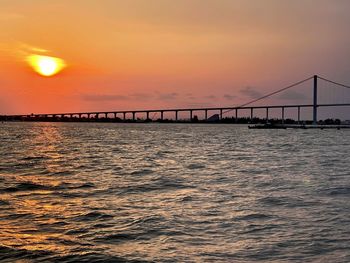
133,115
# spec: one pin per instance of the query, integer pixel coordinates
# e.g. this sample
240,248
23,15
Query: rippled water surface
73,192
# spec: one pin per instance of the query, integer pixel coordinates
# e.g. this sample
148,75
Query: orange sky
140,54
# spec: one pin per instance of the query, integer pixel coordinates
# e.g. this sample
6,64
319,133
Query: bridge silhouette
100,115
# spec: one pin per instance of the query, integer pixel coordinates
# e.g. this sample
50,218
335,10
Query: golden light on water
45,65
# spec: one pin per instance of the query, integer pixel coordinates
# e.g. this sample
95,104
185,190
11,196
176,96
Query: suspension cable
336,83
270,94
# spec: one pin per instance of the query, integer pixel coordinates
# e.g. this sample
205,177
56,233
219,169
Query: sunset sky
140,54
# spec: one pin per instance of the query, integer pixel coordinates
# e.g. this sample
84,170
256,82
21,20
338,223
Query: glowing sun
45,65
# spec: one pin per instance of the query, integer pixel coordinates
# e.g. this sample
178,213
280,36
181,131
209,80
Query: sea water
94,192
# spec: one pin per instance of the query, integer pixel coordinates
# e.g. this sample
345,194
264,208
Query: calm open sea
92,192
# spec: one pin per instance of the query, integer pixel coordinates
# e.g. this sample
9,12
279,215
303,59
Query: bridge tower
315,101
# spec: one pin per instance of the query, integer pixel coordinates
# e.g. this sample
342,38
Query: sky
153,54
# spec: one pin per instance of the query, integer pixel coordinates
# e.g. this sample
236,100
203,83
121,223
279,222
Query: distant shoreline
243,120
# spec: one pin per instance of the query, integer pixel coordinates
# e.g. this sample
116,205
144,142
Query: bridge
123,115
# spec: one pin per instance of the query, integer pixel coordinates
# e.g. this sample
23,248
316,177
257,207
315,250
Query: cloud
103,97
141,96
199,104
251,92
229,97
190,96
293,95
20,50
168,96
29,48
210,97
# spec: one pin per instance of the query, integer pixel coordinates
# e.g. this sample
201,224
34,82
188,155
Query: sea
112,192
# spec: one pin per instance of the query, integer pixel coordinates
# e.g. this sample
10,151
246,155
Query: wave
9,254
142,172
26,186
4,203
93,216
339,191
14,254
253,216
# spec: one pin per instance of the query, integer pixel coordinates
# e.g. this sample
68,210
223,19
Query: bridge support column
133,116
282,115
161,115
88,115
106,115
115,115
176,115
236,115
191,117
220,114
147,115
299,115
267,115
206,115
251,114
315,101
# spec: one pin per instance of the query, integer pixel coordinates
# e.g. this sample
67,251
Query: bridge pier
106,115
298,114
251,114
267,114
161,115
147,115
133,116
220,114
282,115
124,116
176,115
191,117
206,115
236,115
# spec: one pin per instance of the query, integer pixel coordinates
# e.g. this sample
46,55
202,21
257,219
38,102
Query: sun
45,65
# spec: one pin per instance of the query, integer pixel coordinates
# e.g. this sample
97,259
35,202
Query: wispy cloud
251,92
199,104
30,48
141,96
130,97
20,50
229,97
168,96
190,96
103,97
211,97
